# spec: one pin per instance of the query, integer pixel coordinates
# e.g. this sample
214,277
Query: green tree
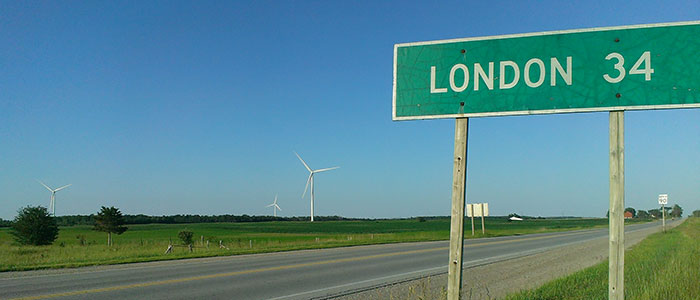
655,213
186,236
667,209
632,210
110,220
676,211
34,226
643,214
5,223
696,213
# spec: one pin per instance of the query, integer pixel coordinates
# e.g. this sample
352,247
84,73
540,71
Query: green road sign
653,66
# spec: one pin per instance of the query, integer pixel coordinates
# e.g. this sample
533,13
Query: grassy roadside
81,246
663,266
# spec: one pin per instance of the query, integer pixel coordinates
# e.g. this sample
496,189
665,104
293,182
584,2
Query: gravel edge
498,279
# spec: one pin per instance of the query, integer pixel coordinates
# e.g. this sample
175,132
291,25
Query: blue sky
196,108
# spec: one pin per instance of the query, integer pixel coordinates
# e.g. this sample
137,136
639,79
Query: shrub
34,226
677,211
81,238
186,236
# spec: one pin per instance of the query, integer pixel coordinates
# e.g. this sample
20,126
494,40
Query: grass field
663,266
149,242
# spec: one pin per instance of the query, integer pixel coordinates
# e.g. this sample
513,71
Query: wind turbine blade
303,162
275,199
307,185
46,186
270,205
326,169
278,207
63,187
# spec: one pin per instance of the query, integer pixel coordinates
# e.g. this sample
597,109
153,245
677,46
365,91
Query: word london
509,73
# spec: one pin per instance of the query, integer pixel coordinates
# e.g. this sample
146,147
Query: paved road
291,275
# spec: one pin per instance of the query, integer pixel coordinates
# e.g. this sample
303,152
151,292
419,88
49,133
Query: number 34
620,67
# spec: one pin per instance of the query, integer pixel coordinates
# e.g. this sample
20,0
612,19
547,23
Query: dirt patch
498,279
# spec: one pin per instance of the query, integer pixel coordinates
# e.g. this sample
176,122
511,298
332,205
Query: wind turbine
52,205
311,180
274,206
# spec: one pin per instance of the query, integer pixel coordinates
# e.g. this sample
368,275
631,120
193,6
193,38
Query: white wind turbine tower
311,180
274,206
52,205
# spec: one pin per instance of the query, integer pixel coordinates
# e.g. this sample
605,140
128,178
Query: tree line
183,219
674,212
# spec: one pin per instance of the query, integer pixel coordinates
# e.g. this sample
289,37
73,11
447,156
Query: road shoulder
495,280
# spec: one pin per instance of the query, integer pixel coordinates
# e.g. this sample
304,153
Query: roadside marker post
483,227
663,216
663,200
484,213
612,69
471,214
479,210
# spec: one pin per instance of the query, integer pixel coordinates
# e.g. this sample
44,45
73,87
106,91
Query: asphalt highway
308,274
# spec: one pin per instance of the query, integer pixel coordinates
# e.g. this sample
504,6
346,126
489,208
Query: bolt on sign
653,66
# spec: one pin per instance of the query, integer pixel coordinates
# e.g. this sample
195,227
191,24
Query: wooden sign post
616,266
459,179
479,210
483,227
471,214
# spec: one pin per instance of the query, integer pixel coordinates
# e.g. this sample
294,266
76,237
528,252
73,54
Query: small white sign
663,199
475,209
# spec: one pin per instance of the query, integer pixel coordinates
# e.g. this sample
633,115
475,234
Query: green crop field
81,246
663,266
